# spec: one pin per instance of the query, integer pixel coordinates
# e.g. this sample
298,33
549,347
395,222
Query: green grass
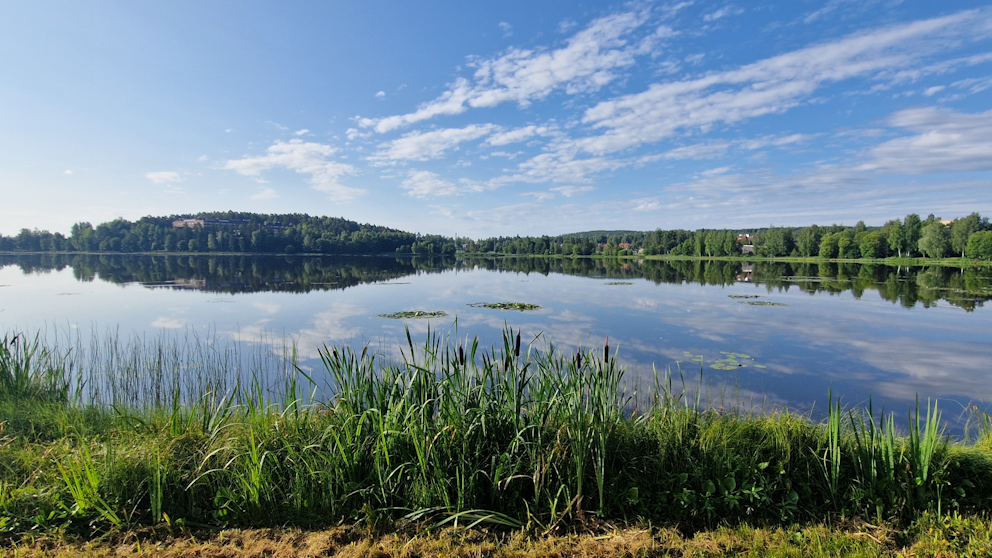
521,435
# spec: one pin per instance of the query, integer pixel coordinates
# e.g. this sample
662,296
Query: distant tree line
240,232
912,236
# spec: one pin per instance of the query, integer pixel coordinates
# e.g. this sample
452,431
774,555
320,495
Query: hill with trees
234,232
230,232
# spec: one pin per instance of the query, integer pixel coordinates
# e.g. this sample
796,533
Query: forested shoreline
251,233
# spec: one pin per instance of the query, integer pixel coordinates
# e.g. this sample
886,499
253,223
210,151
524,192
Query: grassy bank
518,437
893,261
930,536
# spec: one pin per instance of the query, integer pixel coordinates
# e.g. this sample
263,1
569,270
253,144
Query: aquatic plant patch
413,314
620,283
761,303
744,296
733,361
518,306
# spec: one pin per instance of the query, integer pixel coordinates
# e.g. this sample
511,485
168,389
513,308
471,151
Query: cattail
606,350
516,347
578,359
461,355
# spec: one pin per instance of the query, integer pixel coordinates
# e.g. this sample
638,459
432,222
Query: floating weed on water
744,296
519,306
761,303
692,358
732,362
620,283
413,314
384,284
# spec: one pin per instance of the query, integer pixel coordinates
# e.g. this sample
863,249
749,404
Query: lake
862,331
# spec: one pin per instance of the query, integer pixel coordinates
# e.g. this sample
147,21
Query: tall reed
519,434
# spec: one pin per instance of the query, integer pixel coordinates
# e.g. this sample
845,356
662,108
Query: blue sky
499,117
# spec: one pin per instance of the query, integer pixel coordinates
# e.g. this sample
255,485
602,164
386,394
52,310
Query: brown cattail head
578,359
606,349
461,355
516,347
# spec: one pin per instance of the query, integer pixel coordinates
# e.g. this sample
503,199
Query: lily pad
413,314
518,306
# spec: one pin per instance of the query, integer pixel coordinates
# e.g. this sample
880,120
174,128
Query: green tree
828,245
892,231
714,244
775,242
700,240
844,241
730,244
808,241
961,231
935,239
912,227
980,245
873,245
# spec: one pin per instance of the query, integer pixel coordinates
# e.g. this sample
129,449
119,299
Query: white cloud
203,158
945,141
718,148
721,13
517,135
443,210
769,86
587,62
569,191
67,171
507,28
305,158
931,91
974,85
380,94
423,184
301,132
267,307
422,146
264,194
717,170
168,323
164,177
539,196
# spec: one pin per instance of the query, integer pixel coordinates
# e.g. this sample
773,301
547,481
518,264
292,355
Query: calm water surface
891,334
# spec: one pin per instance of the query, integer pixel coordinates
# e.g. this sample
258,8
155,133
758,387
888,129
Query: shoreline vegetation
890,261
932,238
452,445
